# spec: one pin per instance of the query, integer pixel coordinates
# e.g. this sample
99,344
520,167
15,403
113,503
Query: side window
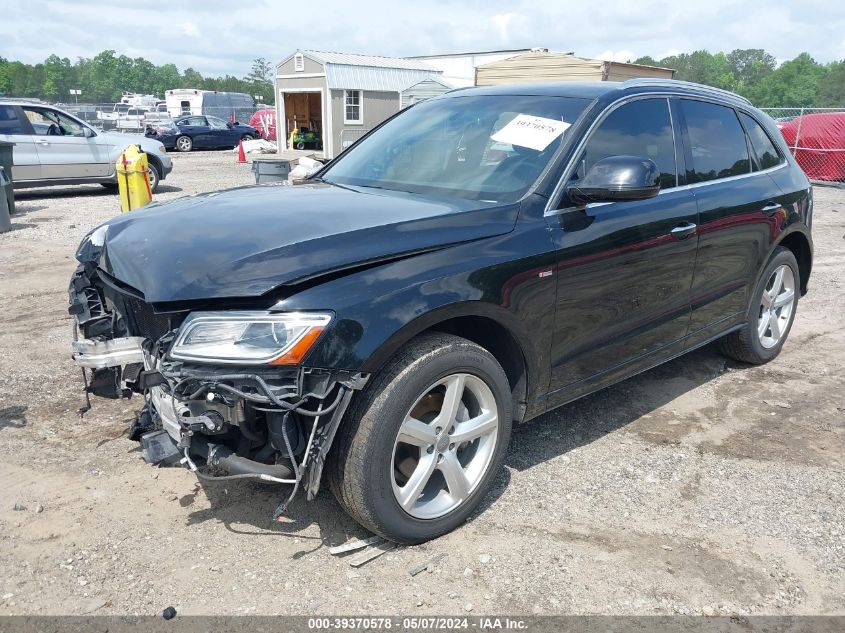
716,141
352,106
51,123
764,153
217,124
639,128
9,123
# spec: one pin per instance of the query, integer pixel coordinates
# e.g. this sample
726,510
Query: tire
300,145
363,471
749,344
154,176
247,137
184,144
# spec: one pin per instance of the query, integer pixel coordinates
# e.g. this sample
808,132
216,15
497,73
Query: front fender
380,309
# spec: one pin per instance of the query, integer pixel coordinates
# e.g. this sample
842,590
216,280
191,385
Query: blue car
200,132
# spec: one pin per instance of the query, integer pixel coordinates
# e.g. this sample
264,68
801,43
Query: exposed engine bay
273,423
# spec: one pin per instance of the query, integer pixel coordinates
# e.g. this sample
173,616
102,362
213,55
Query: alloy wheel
445,446
776,306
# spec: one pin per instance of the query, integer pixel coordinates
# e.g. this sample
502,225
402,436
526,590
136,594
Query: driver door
624,269
222,134
63,149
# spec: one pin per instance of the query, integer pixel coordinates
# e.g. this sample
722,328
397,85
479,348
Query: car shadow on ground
592,417
24,195
246,508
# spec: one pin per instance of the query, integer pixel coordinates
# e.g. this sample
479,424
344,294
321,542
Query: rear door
15,128
63,148
624,268
739,208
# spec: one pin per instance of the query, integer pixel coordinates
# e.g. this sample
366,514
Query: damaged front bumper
270,423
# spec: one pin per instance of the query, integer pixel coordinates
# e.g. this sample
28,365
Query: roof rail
668,83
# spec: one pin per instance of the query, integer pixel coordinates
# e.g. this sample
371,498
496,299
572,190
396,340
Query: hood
125,140
245,242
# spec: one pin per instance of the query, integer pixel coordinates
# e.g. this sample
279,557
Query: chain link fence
134,119
816,137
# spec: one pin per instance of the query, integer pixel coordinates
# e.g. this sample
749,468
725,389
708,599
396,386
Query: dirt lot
702,486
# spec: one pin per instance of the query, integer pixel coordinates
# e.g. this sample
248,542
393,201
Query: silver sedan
53,147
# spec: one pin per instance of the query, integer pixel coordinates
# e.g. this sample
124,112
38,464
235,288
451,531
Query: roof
515,51
375,61
596,89
348,71
433,79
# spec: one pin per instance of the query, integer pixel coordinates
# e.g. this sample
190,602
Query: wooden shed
422,90
342,96
549,66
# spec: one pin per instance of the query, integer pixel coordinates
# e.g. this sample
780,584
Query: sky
218,37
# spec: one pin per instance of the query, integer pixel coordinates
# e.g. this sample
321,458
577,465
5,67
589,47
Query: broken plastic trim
110,353
319,441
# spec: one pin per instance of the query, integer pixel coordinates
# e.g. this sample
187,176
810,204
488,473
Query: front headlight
248,338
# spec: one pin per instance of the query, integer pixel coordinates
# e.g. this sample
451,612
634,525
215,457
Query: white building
459,68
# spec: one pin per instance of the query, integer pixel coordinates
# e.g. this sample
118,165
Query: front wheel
247,137
154,176
770,315
424,441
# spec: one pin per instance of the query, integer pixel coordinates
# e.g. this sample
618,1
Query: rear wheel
771,313
247,137
424,441
184,144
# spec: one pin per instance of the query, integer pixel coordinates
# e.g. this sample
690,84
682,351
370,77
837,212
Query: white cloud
501,22
617,56
190,29
219,37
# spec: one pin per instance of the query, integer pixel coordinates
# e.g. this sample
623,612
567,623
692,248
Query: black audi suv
475,261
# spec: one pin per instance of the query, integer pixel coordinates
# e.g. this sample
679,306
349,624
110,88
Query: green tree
832,91
796,83
750,66
261,71
58,77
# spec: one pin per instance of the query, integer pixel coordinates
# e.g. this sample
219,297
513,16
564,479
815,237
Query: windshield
489,148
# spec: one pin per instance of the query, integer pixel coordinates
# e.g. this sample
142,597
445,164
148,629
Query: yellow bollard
133,180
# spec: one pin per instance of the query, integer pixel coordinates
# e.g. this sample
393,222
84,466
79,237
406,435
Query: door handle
771,208
43,142
684,231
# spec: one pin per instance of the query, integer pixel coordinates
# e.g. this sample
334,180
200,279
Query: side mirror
88,132
617,178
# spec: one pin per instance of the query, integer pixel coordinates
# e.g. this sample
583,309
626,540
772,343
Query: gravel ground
701,487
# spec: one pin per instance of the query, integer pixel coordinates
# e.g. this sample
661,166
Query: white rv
223,105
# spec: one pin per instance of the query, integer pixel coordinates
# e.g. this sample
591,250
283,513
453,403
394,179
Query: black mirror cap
617,178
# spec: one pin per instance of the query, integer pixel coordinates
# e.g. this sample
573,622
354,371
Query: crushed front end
225,393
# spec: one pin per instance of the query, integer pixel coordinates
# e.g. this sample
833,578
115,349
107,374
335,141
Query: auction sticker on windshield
534,132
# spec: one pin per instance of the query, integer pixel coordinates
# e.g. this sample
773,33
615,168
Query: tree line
752,72
104,78
755,74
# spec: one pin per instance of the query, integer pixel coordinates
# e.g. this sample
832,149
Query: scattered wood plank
355,544
371,553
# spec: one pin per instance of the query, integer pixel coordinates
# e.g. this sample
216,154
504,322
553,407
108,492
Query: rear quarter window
716,141
763,150
9,122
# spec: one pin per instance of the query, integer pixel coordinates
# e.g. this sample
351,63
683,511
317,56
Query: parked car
53,147
476,261
818,143
200,132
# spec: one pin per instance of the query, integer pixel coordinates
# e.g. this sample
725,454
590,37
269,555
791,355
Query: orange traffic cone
241,155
